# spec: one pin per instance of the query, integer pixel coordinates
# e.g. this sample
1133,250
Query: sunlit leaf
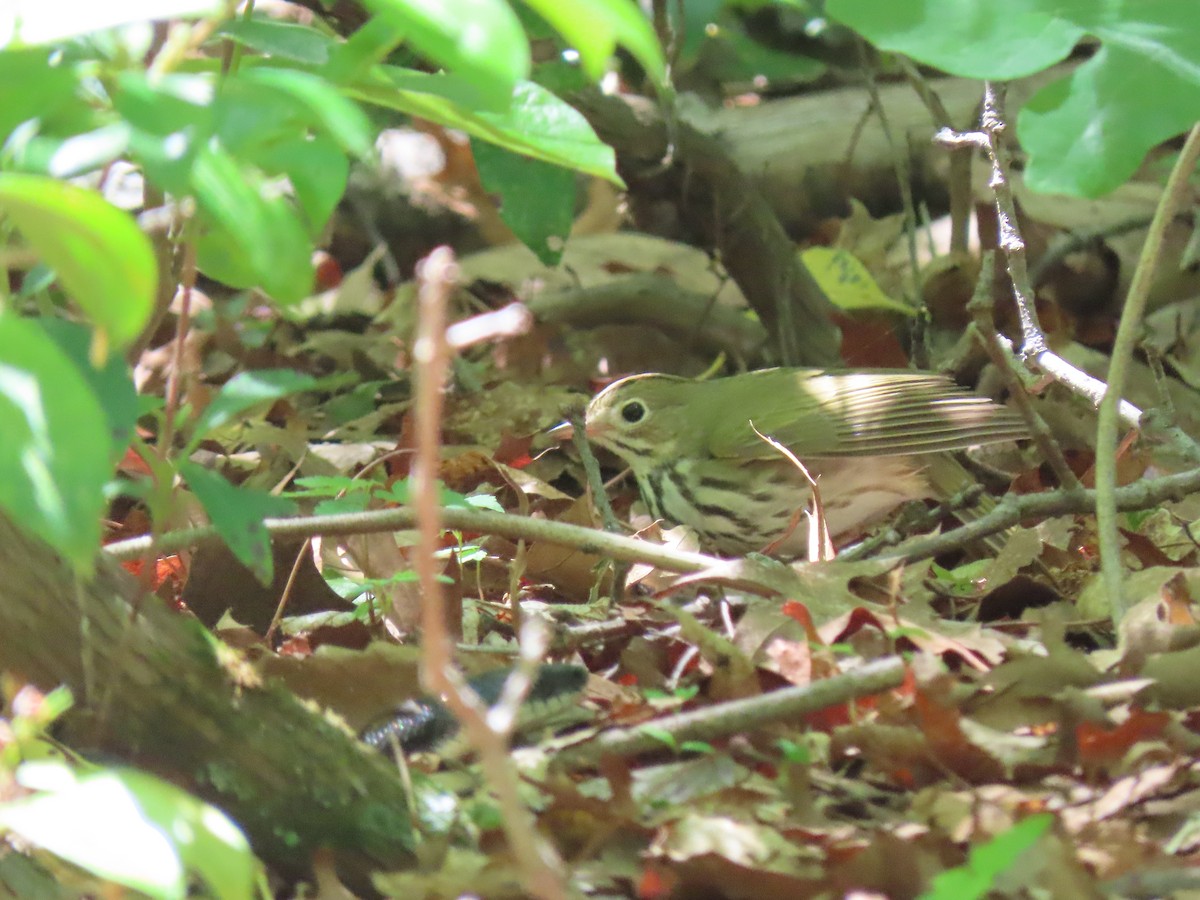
480,40
596,27
56,450
1088,131
136,830
537,124
45,21
100,255
537,199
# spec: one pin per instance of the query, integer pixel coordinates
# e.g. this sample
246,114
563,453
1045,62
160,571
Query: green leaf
331,485
44,22
111,385
55,455
536,199
255,236
1021,36
238,513
172,120
795,753
318,172
401,492
133,829
262,121
847,282
370,44
537,124
595,28
101,257
338,506
281,40
325,106
484,501
249,116
30,86
481,40
244,391
1088,132
715,41
988,861
661,735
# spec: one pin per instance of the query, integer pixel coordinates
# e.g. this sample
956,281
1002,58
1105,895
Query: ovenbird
698,461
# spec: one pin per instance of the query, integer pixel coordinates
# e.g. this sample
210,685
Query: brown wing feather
818,413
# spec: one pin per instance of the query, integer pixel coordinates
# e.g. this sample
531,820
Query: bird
698,451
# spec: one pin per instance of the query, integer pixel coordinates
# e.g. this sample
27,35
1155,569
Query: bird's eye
633,411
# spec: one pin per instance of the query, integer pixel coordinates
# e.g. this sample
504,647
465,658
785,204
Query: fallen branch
1013,509
736,716
153,689
1010,511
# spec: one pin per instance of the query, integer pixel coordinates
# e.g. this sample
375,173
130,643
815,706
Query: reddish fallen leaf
656,881
514,450
133,464
794,609
297,647
328,271
166,569
1100,746
840,714
916,637
870,341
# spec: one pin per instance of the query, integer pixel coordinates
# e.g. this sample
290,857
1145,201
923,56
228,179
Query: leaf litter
1016,707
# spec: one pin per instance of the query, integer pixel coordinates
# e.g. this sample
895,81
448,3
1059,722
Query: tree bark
154,689
717,206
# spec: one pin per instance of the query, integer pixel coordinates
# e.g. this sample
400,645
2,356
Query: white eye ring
634,411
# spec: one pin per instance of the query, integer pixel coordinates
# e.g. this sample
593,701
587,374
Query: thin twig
1012,509
1034,347
958,179
1073,241
166,438
591,471
540,868
723,719
993,124
980,307
820,542
289,588
187,283
901,166
483,521
1128,332
1144,494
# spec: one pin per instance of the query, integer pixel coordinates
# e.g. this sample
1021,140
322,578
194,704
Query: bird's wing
817,413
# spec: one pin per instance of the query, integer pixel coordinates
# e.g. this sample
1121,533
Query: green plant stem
1128,332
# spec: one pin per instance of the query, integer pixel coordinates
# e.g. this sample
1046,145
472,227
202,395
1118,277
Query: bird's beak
563,431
